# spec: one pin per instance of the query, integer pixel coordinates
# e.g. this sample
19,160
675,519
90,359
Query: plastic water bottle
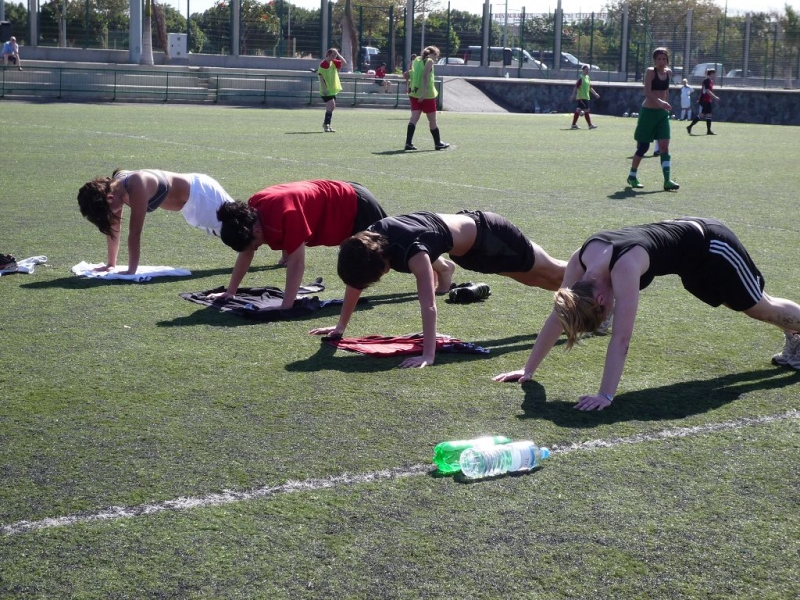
488,461
447,454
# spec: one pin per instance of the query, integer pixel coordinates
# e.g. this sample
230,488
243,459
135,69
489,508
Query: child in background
686,101
329,84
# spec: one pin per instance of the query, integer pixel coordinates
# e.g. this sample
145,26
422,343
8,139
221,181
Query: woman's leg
443,270
786,315
547,272
777,311
412,125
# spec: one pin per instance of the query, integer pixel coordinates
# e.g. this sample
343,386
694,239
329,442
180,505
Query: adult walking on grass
329,84
423,94
653,122
289,217
612,267
479,241
707,97
101,200
582,91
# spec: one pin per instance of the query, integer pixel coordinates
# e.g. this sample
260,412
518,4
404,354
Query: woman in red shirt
289,217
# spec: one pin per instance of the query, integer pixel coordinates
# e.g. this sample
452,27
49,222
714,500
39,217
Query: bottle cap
545,453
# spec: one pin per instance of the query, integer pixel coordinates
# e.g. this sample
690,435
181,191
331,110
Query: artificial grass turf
120,394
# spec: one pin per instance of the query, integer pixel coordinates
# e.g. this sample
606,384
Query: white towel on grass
25,266
143,273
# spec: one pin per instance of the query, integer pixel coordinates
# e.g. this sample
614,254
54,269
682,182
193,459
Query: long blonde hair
577,310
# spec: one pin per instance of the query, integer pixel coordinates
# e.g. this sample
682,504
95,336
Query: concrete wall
121,57
740,105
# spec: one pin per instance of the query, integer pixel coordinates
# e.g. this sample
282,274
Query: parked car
738,73
568,62
450,60
368,58
701,69
473,56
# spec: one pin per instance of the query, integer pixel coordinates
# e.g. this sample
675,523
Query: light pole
505,29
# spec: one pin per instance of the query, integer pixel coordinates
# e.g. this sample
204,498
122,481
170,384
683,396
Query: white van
701,69
473,56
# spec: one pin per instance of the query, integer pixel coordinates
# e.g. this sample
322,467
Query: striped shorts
726,274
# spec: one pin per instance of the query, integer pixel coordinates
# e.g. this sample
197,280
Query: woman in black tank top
653,121
609,270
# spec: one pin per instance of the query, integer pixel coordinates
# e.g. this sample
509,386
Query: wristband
608,397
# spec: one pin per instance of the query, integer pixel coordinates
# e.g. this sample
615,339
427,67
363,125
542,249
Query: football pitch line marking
230,496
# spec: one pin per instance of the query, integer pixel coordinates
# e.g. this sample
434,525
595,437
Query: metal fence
756,49
221,86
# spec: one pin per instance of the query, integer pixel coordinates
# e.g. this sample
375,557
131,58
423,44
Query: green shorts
653,124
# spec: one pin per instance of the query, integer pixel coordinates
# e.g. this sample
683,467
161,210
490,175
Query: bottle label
522,456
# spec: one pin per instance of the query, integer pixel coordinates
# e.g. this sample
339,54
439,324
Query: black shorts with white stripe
727,275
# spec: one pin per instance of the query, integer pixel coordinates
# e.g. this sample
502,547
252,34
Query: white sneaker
574,127
790,355
603,329
592,126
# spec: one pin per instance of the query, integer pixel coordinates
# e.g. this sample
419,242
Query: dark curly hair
362,259
237,220
94,205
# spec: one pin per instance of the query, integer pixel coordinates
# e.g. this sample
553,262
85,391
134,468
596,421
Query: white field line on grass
229,496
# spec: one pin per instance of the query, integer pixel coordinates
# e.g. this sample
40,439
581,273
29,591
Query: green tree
215,24
790,23
259,30
436,33
17,15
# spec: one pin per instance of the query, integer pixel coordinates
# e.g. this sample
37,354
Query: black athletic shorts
727,274
367,208
500,247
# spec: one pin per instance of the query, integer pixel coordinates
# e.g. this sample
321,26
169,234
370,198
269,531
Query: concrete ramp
462,96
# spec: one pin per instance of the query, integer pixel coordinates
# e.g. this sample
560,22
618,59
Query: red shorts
428,105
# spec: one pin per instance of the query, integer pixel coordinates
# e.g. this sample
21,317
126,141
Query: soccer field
153,448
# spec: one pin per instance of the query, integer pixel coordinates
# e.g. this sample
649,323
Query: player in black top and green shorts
653,123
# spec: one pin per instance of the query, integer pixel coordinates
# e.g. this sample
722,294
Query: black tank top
411,234
659,84
674,247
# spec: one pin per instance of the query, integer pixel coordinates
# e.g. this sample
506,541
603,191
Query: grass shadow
212,316
353,362
629,193
324,360
669,402
393,298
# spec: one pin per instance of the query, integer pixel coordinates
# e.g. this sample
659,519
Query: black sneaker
442,145
7,262
468,294
710,133
410,147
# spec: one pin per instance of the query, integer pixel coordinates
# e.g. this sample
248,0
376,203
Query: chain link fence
758,49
